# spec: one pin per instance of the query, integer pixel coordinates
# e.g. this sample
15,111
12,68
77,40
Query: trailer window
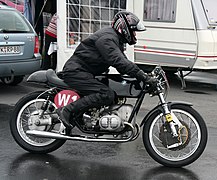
210,8
160,10
84,17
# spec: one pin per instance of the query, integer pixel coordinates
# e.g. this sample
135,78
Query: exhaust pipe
52,135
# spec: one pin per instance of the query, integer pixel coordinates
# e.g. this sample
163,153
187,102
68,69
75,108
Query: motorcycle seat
54,80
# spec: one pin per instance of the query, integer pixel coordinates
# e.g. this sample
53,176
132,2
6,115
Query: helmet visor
139,27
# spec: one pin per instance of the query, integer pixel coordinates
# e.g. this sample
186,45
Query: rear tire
19,123
184,154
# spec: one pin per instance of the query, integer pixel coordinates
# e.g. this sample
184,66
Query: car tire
13,80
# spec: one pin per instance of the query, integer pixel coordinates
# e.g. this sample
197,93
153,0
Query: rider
94,56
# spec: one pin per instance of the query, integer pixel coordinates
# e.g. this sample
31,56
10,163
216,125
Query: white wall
63,53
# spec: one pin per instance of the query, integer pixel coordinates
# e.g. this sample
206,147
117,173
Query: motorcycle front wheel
26,116
180,151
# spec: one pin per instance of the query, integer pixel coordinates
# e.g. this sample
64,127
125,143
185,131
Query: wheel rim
181,154
26,119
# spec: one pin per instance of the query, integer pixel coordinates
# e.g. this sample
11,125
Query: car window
12,21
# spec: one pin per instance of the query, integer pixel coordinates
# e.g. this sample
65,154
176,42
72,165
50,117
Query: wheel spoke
157,138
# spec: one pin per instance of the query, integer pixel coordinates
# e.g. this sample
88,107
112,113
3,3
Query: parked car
19,46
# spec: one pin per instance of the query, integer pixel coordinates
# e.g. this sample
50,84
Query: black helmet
126,23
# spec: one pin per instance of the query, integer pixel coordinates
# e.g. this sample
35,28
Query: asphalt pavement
93,161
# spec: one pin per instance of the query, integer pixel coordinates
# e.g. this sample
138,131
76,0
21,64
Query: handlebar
162,82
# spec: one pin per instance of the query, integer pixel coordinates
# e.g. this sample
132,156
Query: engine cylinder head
110,122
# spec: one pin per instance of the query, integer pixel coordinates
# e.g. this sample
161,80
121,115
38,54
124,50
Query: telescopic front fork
169,116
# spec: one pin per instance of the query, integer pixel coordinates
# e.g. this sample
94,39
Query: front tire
194,135
27,111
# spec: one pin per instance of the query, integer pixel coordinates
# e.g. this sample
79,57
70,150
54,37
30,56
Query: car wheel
13,80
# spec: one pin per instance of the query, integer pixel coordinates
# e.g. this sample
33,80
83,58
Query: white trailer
181,34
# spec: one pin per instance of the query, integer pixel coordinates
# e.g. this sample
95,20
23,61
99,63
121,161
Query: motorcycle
174,134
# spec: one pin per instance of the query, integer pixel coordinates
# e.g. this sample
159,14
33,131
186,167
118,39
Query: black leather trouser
94,93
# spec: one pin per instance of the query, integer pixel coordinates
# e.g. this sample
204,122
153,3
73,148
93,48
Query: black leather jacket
98,52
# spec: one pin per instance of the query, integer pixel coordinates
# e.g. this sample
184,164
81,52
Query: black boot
64,114
79,107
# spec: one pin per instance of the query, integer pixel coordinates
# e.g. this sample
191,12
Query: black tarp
41,6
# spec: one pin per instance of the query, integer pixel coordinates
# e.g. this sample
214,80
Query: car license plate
9,49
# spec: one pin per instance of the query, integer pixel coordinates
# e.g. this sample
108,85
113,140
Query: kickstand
182,77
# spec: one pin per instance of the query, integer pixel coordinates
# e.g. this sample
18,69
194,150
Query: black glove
142,76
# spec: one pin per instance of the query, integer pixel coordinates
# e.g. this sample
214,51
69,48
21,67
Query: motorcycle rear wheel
21,121
194,135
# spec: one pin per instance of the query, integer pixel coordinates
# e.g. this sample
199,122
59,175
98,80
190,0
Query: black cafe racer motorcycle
174,134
